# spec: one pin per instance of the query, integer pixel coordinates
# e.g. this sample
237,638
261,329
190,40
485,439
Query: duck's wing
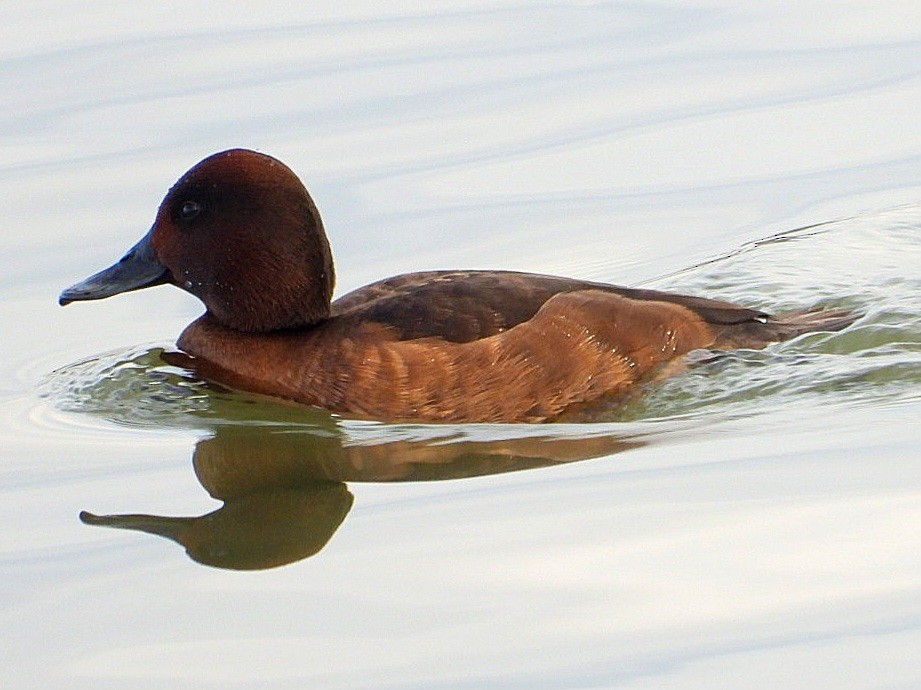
580,346
462,306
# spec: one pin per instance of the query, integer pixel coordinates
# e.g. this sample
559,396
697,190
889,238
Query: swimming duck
240,232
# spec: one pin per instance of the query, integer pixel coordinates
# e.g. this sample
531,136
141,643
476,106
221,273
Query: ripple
869,264
137,387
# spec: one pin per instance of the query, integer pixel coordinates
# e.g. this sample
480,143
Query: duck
240,232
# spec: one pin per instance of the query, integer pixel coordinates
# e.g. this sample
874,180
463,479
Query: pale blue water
753,522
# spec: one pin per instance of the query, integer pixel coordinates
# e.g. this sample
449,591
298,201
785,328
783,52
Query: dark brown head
240,232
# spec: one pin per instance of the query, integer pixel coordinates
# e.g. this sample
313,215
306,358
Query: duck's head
240,232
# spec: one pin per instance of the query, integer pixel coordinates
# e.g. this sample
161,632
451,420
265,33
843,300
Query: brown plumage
240,232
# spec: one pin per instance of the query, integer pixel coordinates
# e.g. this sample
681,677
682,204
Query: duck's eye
189,209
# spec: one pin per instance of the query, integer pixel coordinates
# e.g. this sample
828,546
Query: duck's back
462,306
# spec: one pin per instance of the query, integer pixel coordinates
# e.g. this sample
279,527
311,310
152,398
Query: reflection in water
253,532
284,488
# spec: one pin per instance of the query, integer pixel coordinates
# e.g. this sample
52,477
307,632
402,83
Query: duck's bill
152,524
137,269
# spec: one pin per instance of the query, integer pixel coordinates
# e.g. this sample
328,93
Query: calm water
752,523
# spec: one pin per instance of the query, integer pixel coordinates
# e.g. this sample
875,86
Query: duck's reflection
284,488
251,532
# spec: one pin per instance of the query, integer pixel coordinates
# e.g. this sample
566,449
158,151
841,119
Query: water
753,521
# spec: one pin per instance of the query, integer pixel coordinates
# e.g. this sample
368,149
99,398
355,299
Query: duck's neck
322,276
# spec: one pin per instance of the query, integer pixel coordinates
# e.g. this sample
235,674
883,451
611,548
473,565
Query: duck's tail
769,329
